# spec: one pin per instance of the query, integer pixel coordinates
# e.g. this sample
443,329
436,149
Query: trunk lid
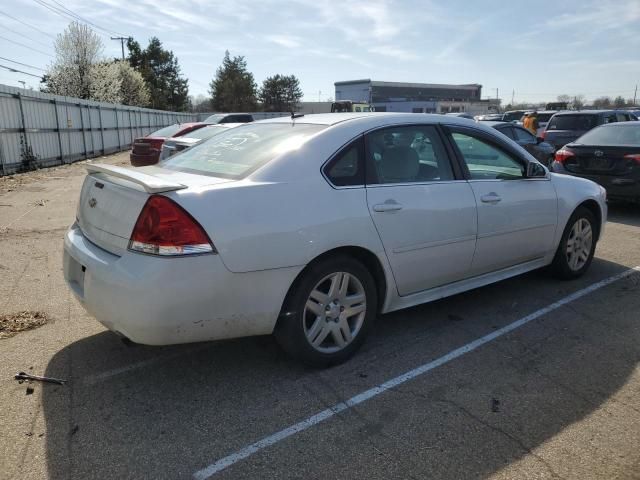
112,198
601,160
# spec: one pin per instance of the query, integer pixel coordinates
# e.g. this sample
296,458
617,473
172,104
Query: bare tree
78,48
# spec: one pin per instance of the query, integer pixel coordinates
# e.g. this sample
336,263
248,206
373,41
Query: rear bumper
143,159
164,301
617,187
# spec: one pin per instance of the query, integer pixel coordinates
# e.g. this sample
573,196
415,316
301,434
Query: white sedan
310,227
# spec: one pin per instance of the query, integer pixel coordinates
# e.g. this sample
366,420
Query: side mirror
535,170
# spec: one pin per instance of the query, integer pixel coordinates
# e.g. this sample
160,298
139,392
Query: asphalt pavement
557,396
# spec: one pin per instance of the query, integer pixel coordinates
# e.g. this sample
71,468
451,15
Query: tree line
151,77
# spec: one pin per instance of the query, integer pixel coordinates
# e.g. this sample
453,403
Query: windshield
236,152
206,132
511,116
214,118
620,134
572,122
169,131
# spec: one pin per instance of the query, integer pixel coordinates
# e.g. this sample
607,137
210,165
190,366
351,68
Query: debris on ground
495,405
12,323
22,376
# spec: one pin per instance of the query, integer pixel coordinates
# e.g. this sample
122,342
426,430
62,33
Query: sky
528,51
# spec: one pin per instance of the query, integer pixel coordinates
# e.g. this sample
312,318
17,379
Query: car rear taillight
165,228
563,155
634,156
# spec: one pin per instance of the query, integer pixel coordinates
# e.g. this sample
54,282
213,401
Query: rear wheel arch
366,257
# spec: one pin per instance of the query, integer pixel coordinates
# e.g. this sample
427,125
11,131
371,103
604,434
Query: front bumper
164,301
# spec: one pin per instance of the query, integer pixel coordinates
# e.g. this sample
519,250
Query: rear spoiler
150,183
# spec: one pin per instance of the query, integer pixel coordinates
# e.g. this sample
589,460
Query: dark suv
565,127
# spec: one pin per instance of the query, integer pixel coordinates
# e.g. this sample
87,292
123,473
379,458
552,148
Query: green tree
233,88
280,93
619,102
160,70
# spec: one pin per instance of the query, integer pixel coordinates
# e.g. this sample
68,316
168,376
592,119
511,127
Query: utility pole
23,83
634,95
319,93
513,94
122,40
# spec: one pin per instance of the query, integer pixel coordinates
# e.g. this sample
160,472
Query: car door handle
490,198
388,206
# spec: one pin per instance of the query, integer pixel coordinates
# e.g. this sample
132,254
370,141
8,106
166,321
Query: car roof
382,117
588,112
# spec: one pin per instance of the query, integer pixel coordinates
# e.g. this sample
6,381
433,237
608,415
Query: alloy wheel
579,244
334,312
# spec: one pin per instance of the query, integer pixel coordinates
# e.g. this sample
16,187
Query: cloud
393,52
287,41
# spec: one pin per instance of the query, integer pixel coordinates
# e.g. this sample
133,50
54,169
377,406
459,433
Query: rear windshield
237,152
544,117
169,131
511,116
206,132
572,122
620,134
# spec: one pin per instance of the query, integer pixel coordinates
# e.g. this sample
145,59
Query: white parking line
394,382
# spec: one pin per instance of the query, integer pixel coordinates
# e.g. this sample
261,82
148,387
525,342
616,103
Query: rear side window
237,152
347,167
508,131
406,155
572,122
524,136
169,131
544,117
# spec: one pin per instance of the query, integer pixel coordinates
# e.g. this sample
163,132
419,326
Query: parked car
466,115
229,118
274,227
174,145
513,116
146,150
543,120
489,117
609,155
565,127
536,146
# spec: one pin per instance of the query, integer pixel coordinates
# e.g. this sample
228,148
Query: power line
23,64
19,71
28,25
66,13
26,46
24,36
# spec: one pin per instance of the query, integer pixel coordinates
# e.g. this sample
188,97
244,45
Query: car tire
328,312
577,246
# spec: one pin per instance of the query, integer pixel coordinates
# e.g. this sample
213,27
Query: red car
146,150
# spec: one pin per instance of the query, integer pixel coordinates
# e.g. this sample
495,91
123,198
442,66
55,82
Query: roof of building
375,83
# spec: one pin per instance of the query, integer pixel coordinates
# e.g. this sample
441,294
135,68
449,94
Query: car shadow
165,412
625,213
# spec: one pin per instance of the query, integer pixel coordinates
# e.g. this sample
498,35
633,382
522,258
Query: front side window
236,152
486,161
575,121
407,155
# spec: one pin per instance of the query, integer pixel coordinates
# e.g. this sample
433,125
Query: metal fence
40,130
